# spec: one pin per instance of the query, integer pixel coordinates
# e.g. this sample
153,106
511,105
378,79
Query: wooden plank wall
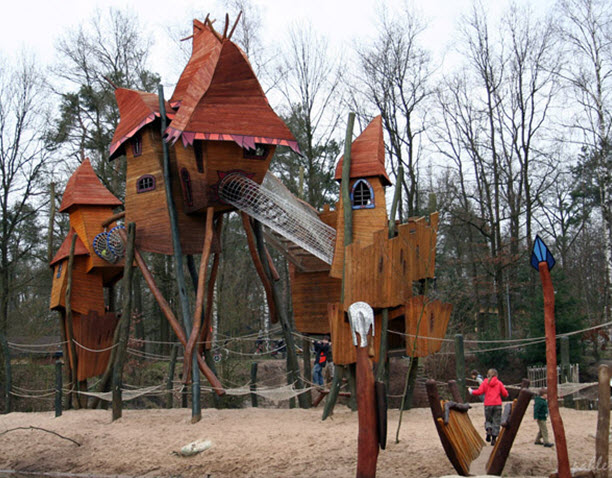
426,319
58,286
87,289
382,273
343,350
310,294
95,332
365,223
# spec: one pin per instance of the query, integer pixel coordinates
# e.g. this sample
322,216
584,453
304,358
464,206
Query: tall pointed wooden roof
137,109
64,250
219,97
84,188
367,154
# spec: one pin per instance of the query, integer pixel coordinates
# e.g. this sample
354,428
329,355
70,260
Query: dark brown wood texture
506,437
366,222
367,154
94,331
382,273
84,188
425,319
367,438
185,160
310,294
342,338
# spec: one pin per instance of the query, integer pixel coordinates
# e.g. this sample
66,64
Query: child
540,413
493,390
478,379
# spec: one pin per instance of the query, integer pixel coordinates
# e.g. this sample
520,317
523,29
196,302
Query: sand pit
259,443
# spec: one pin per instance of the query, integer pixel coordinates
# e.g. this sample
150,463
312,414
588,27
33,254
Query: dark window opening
145,183
59,270
198,150
137,144
186,181
362,195
260,152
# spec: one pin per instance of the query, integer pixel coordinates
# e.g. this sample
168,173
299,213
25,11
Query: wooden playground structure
212,158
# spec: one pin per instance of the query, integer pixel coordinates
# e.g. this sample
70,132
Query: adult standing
322,349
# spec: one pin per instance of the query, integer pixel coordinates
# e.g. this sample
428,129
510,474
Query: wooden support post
292,363
170,379
333,391
253,384
58,387
460,365
6,353
411,376
196,408
51,223
73,360
124,323
361,318
602,441
454,391
346,196
306,360
551,372
397,196
565,359
500,453
382,360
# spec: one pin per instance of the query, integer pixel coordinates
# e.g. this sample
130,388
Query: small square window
145,183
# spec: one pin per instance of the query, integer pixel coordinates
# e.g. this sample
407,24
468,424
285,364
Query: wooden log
367,439
58,388
551,372
113,218
381,367
602,442
197,315
565,359
333,391
381,412
73,360
170,379
253,385
206,335
174,324
196,408
460,366
500,453
307,364
8,382
346,196
352,385
454,390
438,416
397,197
51,224
124,323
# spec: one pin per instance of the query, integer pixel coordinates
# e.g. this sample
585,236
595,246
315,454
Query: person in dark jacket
540,413
321,348
493,390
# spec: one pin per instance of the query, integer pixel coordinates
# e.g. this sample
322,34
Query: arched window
186,182
145,183
137,145
260,152
362,195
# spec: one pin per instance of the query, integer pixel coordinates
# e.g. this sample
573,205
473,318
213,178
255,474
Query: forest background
508,137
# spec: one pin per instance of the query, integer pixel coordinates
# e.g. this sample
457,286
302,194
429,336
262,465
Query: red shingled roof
137,109
64,250
367,154
84,188
219,97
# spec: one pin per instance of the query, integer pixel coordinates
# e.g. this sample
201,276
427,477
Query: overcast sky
36,25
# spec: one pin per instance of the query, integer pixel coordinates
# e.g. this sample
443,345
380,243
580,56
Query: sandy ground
259,443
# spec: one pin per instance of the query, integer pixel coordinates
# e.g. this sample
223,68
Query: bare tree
394,79
22,162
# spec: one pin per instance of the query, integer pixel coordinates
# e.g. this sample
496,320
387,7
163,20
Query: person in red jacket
493,390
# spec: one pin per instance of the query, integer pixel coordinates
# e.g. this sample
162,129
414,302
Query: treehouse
380,270
222,117
89,204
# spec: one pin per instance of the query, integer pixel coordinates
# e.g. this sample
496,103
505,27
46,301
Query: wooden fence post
460,365
253,384
124,323
170,380
602,440
58,388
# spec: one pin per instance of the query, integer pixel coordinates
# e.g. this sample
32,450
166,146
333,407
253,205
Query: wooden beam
113,218
73,360
602,441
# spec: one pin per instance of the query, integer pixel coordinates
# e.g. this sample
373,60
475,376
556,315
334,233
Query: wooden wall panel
425,319
87,289
310,294
185,158
343,350
94,331
58,287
